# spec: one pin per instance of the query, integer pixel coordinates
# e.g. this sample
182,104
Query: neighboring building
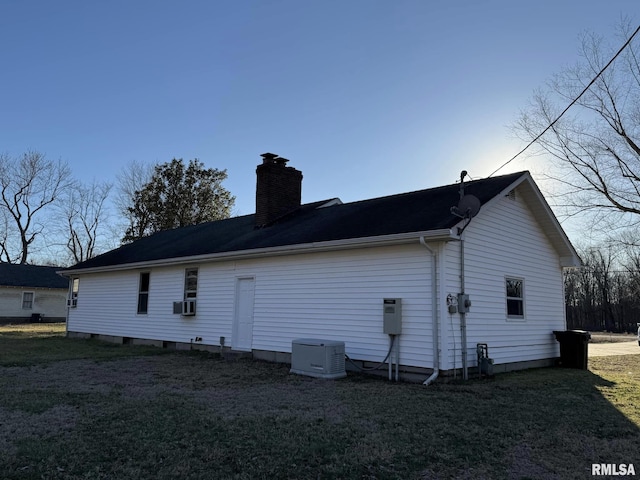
32,293
323,270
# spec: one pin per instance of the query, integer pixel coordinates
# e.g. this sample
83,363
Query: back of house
336,271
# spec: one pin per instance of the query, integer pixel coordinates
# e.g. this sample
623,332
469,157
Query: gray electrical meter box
463,303
392,316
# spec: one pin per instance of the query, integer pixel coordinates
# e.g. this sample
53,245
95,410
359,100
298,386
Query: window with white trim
27,300
190,283
73,295
515,297
143,292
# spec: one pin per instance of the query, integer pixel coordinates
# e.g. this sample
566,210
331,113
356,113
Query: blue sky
365,97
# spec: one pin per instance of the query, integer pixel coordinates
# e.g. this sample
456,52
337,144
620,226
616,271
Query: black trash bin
574,348
36,318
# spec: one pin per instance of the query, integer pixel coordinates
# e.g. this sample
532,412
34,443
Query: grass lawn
79,409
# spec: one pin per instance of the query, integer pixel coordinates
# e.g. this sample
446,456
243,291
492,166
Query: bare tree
29,185
85,215
5,234
132,180
596,149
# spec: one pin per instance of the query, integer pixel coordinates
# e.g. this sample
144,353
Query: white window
27,300
73,295
190,283
143,292
515,297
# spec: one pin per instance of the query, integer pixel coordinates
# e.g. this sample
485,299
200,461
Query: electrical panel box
392,316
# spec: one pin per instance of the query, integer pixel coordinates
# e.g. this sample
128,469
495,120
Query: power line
570,105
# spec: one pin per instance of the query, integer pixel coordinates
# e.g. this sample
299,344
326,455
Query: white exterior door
243,319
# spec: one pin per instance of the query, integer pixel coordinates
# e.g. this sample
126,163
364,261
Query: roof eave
23,287
314,247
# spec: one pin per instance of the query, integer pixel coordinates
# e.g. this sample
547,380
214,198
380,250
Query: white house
323,270
30,292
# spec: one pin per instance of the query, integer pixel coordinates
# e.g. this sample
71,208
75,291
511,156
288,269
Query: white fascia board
314,247
570,261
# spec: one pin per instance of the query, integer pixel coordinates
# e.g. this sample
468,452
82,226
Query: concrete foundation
405,373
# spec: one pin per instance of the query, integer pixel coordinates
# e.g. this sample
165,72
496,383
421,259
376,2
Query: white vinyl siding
504,240
339,296
331,295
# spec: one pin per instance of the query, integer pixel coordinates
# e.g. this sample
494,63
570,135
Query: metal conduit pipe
463,316
435,317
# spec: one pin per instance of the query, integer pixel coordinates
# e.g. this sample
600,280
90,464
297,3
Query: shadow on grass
194,416
547,423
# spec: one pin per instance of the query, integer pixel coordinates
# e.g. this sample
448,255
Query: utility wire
569,106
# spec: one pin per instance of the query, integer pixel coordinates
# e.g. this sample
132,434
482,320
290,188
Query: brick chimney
278,190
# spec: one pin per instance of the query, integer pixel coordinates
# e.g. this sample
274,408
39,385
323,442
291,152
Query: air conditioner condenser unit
318,358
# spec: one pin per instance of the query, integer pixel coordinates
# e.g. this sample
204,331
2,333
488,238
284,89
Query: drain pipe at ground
434,314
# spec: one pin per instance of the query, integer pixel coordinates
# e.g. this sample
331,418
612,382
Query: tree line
604,294
48,215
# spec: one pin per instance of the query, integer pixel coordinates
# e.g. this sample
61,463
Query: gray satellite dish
468,207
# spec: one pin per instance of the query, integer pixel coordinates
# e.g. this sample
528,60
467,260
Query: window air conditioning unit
72,302
318,358
188,308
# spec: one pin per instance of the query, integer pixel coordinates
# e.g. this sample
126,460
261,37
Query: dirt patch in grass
204,381
130,377
313,401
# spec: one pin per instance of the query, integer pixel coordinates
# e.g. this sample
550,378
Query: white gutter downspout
435,317
66,323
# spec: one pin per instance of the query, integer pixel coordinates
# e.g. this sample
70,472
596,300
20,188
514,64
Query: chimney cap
269,157
273,159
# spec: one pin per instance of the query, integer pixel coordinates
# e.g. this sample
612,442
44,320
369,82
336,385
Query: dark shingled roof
33,276
419,211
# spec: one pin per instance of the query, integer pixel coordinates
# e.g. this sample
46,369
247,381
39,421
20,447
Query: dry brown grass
194,416
605,337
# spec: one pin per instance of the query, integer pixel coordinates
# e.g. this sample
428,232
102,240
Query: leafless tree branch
29,185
